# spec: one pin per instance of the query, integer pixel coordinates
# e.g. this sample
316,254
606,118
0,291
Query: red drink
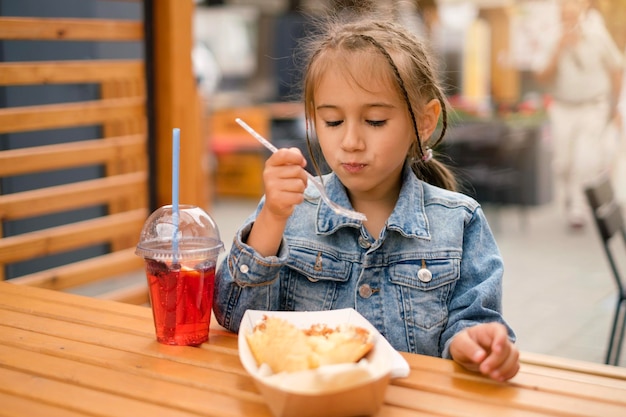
181,300
180,245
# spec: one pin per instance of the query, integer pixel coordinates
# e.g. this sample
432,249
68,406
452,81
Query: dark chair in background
609,220
491,160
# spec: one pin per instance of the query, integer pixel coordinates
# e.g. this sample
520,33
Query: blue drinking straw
175,175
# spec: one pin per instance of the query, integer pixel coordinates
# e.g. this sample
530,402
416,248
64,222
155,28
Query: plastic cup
180,270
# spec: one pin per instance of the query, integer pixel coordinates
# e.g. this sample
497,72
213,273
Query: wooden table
68,355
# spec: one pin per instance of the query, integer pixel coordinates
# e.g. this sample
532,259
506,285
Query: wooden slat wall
121,112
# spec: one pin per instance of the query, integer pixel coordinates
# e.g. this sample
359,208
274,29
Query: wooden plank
82,272
53,116
580,384
14,406
541,397
104,329
19,313
71,155
30,28
437,404
63,72
79,399
132,294
102,322
71,236
392,411
73,196
151,390
582,367
142,364
15,297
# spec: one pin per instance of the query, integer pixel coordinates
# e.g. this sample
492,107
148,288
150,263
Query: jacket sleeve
477,295
246,280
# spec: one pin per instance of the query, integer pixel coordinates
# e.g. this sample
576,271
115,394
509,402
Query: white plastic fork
336,207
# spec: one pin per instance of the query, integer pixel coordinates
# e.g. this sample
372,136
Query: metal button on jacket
424,275
364,243
365,291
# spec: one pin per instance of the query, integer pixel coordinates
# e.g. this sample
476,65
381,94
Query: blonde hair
409,70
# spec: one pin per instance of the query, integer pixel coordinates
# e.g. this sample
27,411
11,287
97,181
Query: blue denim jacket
327,261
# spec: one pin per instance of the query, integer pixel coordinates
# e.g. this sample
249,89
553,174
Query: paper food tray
331,391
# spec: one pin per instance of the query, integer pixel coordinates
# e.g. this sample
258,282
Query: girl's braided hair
410,71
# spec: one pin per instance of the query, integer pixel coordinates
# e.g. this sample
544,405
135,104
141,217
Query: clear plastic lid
197,237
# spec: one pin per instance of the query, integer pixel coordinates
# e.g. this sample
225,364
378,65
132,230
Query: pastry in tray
286,348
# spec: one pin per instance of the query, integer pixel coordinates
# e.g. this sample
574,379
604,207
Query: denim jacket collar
408,217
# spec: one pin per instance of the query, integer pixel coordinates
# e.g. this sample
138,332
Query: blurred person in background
582,69
206,69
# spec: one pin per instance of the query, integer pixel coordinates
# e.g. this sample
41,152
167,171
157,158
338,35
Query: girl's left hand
486,348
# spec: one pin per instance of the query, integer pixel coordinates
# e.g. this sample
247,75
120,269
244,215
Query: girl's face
365,134
571,13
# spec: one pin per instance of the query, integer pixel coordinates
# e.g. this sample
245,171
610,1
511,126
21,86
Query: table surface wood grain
68,355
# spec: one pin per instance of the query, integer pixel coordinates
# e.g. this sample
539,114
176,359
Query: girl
424,268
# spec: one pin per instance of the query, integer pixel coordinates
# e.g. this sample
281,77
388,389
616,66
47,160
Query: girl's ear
429,118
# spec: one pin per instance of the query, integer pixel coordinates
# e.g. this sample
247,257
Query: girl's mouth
353,168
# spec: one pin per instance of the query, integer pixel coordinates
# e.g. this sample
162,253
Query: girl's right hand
486,348
285,181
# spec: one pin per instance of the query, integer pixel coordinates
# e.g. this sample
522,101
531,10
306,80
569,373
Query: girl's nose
352,139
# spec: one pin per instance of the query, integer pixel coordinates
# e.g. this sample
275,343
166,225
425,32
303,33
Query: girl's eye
377,123
334,123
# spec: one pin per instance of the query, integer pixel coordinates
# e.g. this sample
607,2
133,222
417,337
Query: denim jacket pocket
424,302
319,264
311,279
